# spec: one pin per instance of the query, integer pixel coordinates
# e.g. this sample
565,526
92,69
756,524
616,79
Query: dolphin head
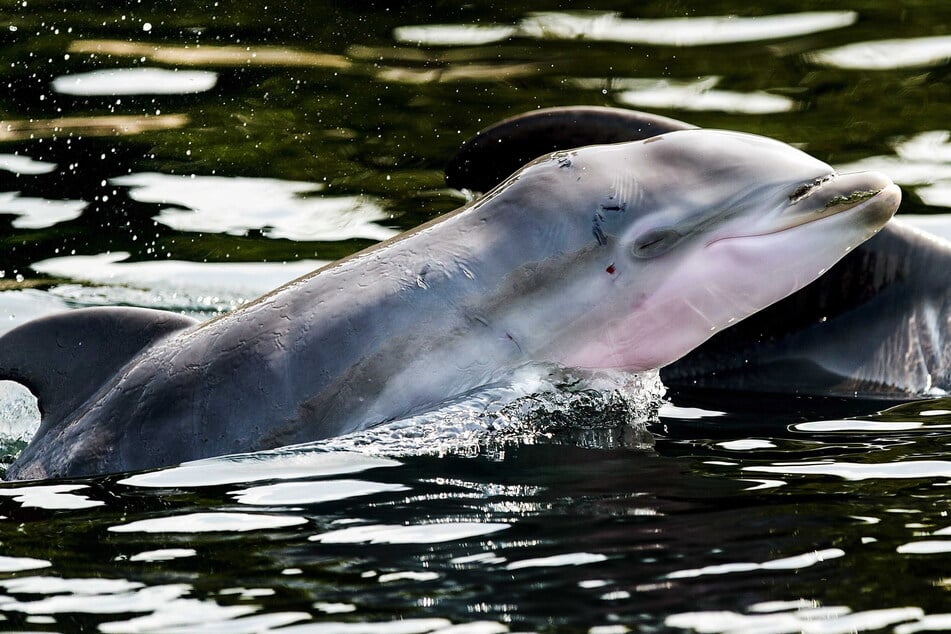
689,232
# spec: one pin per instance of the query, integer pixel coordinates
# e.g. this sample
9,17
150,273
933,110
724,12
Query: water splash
590,408
19,418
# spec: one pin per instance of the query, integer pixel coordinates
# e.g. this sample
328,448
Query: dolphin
877,324
612,256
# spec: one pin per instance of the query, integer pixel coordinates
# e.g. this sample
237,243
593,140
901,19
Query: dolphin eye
655,242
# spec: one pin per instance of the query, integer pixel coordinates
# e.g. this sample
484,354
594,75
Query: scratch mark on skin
597,230
512,339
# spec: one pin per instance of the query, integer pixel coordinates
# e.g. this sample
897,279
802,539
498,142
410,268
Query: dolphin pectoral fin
66,357
496,152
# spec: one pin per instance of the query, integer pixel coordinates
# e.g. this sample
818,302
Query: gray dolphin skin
611,256
877,324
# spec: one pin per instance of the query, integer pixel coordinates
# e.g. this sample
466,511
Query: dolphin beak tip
882,206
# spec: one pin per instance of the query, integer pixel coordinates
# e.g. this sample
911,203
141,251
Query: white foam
536,401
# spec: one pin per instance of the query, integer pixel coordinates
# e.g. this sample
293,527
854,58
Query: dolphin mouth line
808,189
836,205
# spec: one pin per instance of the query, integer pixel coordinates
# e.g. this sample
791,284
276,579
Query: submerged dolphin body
877,324
621,256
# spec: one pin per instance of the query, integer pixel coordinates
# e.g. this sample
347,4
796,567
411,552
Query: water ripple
786,563
555,561
277,208
690,95
312,492
209,523
39,213
279,464
402,626
164,554
169,284
22,164
417,534
135,81
827,620
699,31
609,26
51,496
887,54
908,469
19,564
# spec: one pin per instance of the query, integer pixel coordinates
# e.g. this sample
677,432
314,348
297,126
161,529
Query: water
191,156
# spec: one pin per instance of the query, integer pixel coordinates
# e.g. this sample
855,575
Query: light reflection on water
310,492
19,164
831,619
274,465
39,213
51,497
398,534
688,95
441,529
82,127
277,208
135,81
237,148
611,27
209,523
192,287
888,54
215,56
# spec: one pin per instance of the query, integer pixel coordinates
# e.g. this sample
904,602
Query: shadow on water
193,156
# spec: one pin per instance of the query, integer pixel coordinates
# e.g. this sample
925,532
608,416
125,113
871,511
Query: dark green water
292,134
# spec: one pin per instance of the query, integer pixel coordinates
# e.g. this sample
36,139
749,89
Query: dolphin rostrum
613,256
878,324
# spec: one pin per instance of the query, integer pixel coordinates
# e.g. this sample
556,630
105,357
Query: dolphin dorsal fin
66,357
